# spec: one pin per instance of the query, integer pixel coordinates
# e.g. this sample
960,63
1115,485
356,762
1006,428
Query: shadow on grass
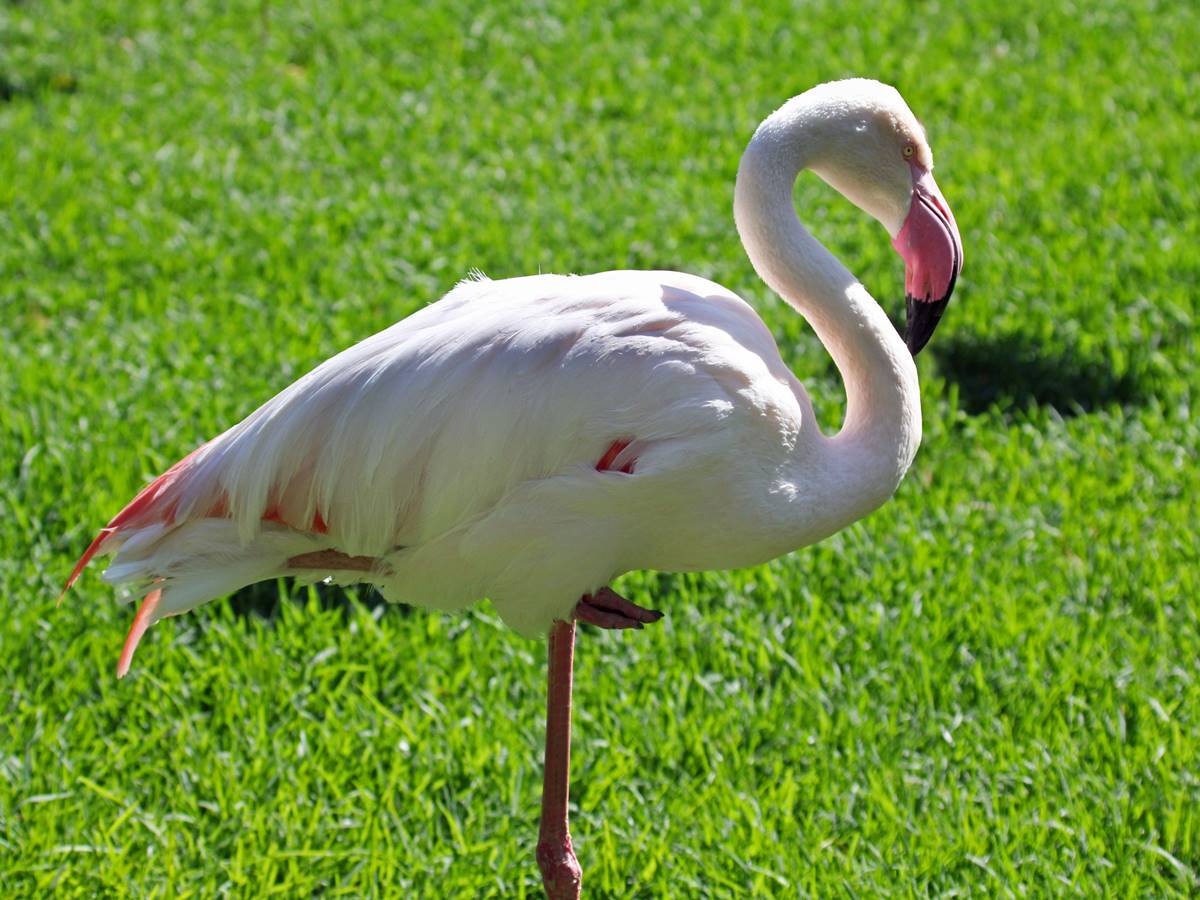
10,90
14,88
264,598
1012,373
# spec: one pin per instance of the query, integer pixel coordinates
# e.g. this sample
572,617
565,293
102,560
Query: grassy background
990,686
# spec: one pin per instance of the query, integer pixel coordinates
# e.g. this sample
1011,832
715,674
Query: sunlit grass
989,686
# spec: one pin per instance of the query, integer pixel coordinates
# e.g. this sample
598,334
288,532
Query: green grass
988,687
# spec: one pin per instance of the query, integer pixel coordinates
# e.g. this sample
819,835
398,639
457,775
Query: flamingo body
469,449
530,439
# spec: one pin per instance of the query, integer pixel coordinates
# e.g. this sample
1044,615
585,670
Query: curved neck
882,428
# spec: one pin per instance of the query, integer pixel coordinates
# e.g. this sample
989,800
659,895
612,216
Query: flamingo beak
931,247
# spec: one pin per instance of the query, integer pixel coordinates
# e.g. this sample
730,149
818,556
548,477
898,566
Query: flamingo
531,439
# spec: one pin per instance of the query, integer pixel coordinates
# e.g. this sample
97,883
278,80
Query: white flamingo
531,439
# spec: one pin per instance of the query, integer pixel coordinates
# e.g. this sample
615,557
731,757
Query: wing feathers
422,430
155,502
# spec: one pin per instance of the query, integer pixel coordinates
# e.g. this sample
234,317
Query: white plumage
530,439
458,450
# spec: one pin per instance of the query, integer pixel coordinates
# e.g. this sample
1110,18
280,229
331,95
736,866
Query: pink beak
931,247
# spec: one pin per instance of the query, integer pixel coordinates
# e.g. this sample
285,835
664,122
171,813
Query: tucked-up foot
608,609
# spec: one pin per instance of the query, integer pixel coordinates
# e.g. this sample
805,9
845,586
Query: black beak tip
923,317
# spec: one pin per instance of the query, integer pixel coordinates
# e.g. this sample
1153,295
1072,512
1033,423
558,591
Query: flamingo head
877,155
931,247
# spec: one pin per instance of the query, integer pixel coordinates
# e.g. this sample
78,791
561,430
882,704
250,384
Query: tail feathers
92,550
141,622
184,567
151,504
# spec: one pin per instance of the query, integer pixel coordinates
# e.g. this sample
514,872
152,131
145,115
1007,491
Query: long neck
864,462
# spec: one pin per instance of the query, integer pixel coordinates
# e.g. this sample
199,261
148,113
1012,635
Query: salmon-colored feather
140,510
610,455
607,462
155,503
140,623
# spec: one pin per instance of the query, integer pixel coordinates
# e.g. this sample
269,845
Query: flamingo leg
561,873
334,560
608,609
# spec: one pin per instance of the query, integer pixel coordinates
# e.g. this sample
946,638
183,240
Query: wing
428,424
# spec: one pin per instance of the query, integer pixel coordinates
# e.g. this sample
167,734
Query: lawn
990,686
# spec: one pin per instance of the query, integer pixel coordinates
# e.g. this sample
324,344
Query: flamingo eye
908,151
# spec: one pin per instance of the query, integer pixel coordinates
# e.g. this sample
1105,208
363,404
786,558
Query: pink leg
561,873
